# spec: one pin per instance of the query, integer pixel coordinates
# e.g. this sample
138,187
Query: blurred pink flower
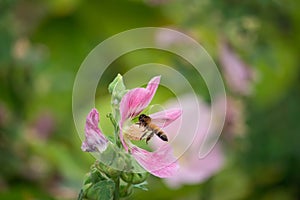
94,139
239,76
44,125
161,162
191,132
166,39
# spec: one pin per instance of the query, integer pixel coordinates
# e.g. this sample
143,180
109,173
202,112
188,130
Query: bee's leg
149,137
139,123
142,137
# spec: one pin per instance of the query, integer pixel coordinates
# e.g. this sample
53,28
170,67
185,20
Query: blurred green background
42,44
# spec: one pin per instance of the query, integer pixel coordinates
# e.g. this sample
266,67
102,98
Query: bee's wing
164,118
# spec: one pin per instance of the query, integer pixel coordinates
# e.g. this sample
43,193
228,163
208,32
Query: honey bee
150,129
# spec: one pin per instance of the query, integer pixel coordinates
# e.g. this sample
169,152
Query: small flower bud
109,171
134,178
93,177
117,89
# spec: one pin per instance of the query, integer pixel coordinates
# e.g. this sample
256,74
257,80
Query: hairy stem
116,128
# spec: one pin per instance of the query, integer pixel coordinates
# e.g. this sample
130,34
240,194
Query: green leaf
94,176
103,190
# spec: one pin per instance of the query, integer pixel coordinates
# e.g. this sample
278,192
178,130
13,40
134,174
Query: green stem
118,143
206,190
117,138
80,196
113,121
117,188
116,128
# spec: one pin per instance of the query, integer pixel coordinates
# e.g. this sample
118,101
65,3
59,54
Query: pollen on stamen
133,132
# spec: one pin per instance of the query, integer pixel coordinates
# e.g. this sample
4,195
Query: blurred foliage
42,44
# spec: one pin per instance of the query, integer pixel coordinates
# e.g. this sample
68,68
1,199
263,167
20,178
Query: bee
150,129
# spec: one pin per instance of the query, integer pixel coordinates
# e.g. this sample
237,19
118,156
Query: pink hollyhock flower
94,139
187,142
239,76
161,162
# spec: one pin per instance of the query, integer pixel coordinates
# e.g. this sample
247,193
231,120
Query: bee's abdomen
162,136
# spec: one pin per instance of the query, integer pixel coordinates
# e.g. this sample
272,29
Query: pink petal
94,139
190,134
136,100
160,163
164,118
133,102
153,85
195,170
